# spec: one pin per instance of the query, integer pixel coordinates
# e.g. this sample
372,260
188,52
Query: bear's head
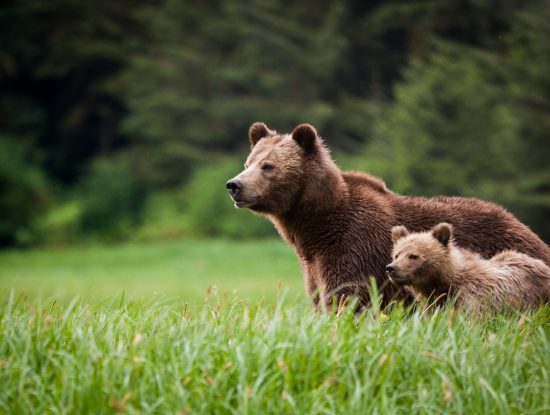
279,169
419,258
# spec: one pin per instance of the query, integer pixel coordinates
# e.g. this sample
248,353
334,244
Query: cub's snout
393,273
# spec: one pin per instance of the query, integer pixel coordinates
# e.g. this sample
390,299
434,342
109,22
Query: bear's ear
398,232
443,232
256,132
306,136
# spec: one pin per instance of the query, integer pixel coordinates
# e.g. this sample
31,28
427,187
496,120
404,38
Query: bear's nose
234,187
390,269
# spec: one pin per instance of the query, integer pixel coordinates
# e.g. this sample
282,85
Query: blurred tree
23,191
157,90
525,70
55,57
473,121
449,132
111,197
55,111
208,70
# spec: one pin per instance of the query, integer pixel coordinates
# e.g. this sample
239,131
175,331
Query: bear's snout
394,274
234,187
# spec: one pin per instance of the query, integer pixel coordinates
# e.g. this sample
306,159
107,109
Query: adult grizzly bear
339,223
436,269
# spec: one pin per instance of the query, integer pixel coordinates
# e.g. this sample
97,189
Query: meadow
135,329
183,269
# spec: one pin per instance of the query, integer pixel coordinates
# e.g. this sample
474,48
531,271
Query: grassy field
180,269
181,352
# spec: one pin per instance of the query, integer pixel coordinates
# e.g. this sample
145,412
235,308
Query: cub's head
419,257
278,168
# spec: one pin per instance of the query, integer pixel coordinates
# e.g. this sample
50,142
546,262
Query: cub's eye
413,257
397,256
267,167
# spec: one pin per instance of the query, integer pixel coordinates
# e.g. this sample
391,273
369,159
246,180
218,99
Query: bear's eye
267,167
413,257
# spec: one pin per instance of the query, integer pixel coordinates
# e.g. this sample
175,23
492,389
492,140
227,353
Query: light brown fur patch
435,268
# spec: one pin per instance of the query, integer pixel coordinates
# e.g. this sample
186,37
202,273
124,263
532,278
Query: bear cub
434,268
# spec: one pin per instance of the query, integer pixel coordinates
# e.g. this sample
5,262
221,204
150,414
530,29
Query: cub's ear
443,232
256,132
398,232
306,136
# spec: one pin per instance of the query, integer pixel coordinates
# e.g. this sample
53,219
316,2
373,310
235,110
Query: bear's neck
322,191
445,283
438,290
314,211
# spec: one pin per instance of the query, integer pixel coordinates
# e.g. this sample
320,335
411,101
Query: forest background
123,120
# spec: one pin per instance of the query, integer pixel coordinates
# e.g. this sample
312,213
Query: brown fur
339,222
436,269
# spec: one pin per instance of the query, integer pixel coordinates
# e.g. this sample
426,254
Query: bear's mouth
399,279
242,203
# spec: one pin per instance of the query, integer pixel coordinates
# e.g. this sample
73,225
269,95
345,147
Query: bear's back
481,226
358,180
509,278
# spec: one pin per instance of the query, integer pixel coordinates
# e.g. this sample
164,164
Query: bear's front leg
339,297
339,284
313,290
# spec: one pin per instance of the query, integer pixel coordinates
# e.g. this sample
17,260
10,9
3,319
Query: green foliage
163,217
529,90
439,93
55,59
466,121
111,197
229,356
59,225
449,132
23,191
209,207
197,84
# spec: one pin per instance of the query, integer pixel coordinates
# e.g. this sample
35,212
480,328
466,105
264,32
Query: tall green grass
223,327
231,356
